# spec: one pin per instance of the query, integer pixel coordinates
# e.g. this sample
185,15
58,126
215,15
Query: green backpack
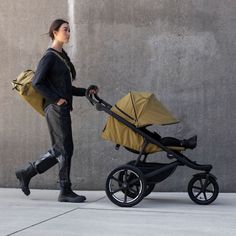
23,85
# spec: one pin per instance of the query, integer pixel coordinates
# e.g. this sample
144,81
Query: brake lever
91,99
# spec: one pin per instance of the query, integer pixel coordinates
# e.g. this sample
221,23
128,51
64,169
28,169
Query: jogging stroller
127,126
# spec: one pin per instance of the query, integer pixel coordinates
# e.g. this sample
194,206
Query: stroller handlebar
92,97
95,99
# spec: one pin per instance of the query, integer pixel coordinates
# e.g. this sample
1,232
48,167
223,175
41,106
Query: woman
53,80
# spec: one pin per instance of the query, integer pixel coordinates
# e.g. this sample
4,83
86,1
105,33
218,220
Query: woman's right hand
61,101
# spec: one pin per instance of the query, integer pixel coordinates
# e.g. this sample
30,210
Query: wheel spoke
201,183
196,187
209,191
209,182
198,194
126,176
117,180
117,190
133,191
132,182
206,183
125,196
205,196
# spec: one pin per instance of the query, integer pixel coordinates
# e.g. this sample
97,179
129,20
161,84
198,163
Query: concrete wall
181,50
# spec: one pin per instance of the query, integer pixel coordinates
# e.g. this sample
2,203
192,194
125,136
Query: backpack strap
63,59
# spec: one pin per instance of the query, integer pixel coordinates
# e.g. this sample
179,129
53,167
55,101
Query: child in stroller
126,126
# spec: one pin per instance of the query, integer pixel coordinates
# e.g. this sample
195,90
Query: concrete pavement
182,51
161,214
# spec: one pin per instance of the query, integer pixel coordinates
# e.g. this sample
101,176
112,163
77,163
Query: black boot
38,167
24,176
189,143
67,195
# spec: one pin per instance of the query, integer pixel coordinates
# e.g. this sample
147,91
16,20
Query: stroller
127,126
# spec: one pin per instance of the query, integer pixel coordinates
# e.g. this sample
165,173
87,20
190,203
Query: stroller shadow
182,200
161,200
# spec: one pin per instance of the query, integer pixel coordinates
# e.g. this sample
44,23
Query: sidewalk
162,214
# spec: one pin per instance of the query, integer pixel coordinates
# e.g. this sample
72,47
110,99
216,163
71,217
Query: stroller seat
171,142
190,143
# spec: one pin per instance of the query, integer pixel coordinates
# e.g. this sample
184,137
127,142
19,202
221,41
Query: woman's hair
56,24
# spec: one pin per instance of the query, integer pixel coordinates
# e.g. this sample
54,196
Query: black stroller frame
128,184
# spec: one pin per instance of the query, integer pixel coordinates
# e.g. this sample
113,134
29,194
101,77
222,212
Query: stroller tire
125,186
203,189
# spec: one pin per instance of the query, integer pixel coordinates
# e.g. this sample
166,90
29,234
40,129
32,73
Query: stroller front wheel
203,189
125,186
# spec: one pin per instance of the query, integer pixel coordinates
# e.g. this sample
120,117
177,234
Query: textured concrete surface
183,51
163,214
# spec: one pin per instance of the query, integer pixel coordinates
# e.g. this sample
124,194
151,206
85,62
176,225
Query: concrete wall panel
183,51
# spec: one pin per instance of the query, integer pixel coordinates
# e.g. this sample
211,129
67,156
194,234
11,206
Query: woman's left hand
94,90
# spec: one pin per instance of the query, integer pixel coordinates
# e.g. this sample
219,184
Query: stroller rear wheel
125,186
203,189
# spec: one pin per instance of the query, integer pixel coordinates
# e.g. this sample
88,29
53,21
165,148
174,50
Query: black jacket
53,79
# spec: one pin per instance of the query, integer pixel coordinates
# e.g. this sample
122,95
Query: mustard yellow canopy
140,109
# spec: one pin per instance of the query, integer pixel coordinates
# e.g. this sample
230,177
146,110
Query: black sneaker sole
73,200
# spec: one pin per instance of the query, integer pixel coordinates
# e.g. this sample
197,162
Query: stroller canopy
141,109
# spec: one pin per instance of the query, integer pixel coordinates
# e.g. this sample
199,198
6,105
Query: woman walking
53,79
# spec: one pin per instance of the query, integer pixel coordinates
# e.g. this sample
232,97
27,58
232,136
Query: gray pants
59,124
